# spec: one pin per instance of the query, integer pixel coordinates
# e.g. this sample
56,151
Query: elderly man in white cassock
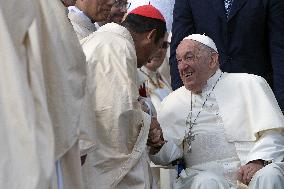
227,127
121,128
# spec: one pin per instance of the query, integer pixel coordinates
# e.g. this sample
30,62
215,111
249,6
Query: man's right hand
246,172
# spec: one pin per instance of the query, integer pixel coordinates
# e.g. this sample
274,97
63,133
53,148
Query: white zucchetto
203,39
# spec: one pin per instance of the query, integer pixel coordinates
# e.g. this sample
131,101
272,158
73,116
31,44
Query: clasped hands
246,172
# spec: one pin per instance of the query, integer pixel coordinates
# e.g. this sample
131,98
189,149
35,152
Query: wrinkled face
193,65
97,10
118,11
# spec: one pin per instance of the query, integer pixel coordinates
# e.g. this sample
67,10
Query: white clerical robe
64,70
120,127
215,146
82,25
26,135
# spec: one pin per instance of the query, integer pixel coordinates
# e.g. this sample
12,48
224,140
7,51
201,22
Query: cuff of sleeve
168,153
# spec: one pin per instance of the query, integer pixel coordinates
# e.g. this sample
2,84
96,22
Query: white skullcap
203,39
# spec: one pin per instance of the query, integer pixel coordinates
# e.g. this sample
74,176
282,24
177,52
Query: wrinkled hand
155,137
246,172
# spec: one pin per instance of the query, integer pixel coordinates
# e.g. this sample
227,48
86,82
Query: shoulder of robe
244,79
174,96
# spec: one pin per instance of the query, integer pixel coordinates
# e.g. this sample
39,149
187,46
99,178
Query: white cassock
239,122
26,135
120,127
82,25
64,70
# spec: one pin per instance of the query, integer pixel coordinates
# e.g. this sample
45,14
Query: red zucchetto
148,11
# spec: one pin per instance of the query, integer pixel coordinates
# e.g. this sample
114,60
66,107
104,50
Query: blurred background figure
164,69
86,13
118,11
152,83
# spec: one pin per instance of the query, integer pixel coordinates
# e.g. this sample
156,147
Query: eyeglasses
165,45
122,4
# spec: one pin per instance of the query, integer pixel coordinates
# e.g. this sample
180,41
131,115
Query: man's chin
192,88
187,87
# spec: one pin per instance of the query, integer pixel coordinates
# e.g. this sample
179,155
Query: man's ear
214,60
151,35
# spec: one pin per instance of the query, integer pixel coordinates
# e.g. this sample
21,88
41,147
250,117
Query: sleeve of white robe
168,153
269,147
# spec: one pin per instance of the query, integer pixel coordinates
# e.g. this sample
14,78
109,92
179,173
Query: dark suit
251,40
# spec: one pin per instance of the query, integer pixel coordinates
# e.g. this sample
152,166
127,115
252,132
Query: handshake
155,136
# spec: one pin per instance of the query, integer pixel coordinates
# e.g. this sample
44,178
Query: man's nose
183,63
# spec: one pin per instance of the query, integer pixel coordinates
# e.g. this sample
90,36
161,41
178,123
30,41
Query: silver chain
188,136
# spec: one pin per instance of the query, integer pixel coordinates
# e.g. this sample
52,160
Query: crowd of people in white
86,103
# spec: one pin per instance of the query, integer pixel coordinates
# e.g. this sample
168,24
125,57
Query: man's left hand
246,172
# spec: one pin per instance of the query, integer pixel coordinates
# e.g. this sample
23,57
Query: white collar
212,81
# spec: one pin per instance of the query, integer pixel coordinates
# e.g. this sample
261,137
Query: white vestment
26,135
43,74
120,127
64,70
82,25
218,146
